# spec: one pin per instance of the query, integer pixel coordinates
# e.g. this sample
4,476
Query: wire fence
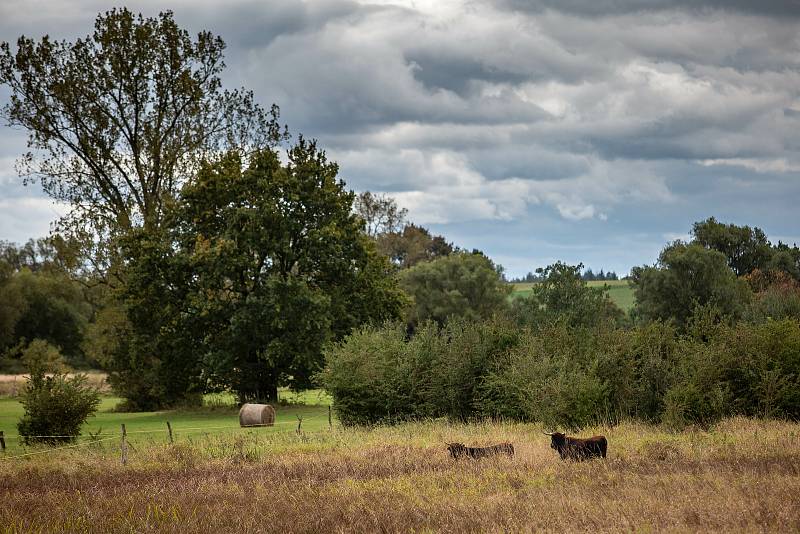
94,438
54,449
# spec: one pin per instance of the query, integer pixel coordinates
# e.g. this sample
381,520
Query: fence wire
118,435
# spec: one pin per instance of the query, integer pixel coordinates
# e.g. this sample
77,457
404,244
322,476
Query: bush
369,376
55,407
552,377
377,375
568,377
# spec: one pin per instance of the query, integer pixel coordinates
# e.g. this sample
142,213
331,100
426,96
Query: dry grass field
742,476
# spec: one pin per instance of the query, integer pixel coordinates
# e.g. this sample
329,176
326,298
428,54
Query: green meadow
618,290
218,416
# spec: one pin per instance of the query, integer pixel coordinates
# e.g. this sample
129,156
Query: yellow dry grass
743,476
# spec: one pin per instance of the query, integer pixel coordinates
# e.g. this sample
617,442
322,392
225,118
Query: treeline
588,275
701,343
40,299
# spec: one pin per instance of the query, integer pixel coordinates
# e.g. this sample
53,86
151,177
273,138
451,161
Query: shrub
56,407
551,376
377,375
369,376
568,377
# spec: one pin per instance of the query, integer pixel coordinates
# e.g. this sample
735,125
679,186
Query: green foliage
685,276
563,295
744,248
262,265
464,285
57,405
776,296
43,305
41,357
143,337
380,213
567,376
377,375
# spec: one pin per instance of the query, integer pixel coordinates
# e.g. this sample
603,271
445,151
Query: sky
590,131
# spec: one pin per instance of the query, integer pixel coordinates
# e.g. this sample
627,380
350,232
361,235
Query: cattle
459,450
577,448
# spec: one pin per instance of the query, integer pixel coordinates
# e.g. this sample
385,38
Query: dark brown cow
577,448
458,450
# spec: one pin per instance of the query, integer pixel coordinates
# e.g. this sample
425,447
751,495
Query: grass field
218,417
742,476
619,291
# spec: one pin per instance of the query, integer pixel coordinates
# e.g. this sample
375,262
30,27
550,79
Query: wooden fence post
299,422
330,421
2,441
124,446
169,427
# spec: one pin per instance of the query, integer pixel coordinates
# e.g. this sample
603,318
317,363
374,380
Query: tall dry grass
742,476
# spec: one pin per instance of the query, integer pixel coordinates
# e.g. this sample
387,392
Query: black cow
459,450
577,448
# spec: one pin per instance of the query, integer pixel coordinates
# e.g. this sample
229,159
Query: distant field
618,290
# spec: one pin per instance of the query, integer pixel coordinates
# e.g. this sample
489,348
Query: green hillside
619,291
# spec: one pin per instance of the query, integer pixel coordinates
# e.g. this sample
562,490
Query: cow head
557,440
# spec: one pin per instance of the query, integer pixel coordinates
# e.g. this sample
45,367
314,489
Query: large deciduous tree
265,262
412,245
463,284
118,120
745,248
380,213
685,276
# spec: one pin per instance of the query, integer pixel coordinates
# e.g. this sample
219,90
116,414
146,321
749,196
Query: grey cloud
583,131
594,8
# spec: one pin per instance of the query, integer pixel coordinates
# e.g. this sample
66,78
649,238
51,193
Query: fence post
124,446
299,422
2,441
330,421
169,427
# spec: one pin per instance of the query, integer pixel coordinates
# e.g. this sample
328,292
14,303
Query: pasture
219,416
618,290
743,475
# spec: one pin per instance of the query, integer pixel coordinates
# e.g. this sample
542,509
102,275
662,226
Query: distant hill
619,291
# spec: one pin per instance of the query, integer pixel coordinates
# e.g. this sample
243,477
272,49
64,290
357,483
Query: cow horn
547,433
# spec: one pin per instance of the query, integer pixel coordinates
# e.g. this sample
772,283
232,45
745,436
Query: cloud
499,122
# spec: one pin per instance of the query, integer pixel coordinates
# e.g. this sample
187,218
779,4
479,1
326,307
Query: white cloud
766,165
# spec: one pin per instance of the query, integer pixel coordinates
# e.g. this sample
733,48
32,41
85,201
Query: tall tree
563,295
687,275
412,245
265,262
118,120
744,248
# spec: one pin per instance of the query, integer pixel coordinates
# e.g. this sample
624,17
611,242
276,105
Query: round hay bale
256,415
